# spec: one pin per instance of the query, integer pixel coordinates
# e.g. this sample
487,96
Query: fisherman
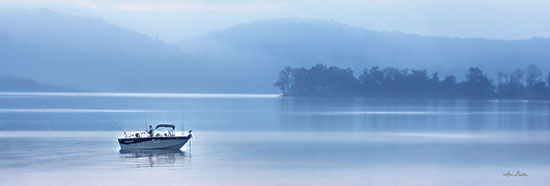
151,130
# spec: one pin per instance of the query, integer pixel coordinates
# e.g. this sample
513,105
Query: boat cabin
164,130
161,130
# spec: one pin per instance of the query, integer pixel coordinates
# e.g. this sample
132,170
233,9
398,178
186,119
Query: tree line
323,81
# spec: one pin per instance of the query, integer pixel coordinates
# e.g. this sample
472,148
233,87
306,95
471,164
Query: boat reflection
150,158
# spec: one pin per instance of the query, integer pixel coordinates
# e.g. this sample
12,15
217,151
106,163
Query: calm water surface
70,139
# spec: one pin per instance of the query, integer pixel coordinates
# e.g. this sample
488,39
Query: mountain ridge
89,53
17,84
368,47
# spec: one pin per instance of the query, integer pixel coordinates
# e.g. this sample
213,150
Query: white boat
163,138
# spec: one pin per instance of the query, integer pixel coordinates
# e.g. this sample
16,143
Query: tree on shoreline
477,85
323,81
284,80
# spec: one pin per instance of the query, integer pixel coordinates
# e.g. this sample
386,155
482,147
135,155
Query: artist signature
517,173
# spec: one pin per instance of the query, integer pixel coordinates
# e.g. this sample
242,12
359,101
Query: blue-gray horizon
140,94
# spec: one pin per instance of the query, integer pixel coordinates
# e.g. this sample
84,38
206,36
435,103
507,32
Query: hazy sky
176,20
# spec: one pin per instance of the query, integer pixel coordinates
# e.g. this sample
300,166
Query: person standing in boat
151,130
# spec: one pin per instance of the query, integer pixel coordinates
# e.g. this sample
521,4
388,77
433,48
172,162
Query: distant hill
89,53
273,44
14,84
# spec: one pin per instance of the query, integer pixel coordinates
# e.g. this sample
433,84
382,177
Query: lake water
70,139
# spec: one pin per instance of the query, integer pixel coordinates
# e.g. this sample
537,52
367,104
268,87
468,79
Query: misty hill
14,84
274,44
89,53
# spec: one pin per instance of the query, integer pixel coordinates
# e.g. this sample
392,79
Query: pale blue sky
176,20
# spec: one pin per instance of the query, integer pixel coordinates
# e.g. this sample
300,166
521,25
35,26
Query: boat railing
146,135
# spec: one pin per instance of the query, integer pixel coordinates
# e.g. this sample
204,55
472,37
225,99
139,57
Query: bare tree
517,76
533,74
284,81
502,77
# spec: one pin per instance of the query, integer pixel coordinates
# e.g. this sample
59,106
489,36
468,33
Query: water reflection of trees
368,114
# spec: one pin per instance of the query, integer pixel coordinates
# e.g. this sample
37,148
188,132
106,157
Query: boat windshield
165,126
164,130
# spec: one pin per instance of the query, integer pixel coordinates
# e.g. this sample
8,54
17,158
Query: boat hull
153,143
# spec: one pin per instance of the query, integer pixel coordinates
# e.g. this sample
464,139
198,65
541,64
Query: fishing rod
121,130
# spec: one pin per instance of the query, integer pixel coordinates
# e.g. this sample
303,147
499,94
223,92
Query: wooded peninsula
323,81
